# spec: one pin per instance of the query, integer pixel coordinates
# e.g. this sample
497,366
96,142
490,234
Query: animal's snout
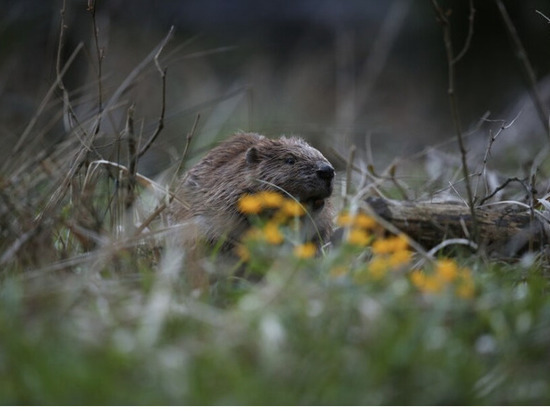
325,171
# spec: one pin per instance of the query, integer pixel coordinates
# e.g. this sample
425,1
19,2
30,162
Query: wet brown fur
250,163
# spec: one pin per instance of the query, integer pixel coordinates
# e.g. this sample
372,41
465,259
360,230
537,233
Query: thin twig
397,184
188,139
132,163
160,123
451,61
531,196
81,155
448,242
469,36
502,186
100,55
17,244
125,85
62,28
543,15
349,169
160,208
521,55
492,139
69,115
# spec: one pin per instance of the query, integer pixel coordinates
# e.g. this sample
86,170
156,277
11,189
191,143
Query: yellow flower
250,204
390,244
399,258
425,283
465,288
382,246
364,221
272,234
292,208
465,291
359,221
243,252
432,285
358,237
418,278
446,269
271,199
305,251
378,267
344,219
401,242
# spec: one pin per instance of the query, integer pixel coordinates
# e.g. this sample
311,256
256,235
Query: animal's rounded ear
252,156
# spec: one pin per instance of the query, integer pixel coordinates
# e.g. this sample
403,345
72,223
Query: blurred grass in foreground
127,326
300,336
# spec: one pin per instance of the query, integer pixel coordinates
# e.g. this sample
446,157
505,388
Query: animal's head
294,167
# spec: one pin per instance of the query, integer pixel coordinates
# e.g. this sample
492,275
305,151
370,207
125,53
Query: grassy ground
94,311
127,332
97,305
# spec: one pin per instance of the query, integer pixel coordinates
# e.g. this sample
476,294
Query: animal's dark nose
325,172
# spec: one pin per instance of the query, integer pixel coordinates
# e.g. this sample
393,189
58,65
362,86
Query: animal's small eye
290,160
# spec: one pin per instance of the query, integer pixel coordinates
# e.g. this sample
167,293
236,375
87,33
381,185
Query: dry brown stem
452,60
160,123
99,55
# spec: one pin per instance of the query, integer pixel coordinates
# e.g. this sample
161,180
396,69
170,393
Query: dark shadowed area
368,73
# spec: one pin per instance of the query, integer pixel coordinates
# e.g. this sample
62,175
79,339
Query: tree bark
507,231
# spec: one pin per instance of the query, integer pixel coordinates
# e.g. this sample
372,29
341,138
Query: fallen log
502,230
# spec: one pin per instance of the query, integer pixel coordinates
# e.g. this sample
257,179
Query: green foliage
297,336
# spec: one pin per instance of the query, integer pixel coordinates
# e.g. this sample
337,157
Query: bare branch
521,55
502,186
470,35
160,123
451,61
349,169
125,85
133,158
100,55
160,208
543,15
185,150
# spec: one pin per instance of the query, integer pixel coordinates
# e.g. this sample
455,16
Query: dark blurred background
335,72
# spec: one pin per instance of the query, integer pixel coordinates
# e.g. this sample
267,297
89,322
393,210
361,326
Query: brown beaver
249,163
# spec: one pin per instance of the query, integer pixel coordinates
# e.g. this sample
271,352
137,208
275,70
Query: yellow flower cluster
446,272
250,205
280,209
360,227
305,251
389,253
255,203
270,233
